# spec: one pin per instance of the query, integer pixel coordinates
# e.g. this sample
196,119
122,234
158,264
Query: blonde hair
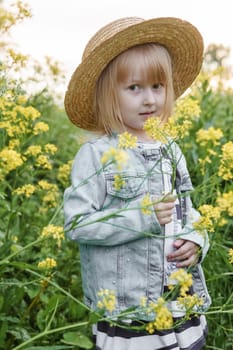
156,67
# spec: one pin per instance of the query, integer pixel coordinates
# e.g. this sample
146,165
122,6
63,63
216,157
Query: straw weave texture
182,40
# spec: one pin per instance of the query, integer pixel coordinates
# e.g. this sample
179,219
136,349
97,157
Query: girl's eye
134,87
157,86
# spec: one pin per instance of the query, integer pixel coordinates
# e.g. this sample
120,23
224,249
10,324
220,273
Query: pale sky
61,29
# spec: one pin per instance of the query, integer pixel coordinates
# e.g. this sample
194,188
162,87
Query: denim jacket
122,248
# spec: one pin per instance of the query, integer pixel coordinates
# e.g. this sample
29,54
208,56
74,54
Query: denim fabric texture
121,248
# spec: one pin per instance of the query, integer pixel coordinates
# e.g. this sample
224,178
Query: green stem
48,332
219,311
59,288
56,213
6,260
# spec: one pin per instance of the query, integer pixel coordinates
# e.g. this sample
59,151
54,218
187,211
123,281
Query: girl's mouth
148,114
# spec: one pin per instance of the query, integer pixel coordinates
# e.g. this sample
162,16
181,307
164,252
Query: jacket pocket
132,185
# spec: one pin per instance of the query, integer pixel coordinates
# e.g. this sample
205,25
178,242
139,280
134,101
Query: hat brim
182,40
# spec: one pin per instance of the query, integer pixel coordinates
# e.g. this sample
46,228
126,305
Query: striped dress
190,335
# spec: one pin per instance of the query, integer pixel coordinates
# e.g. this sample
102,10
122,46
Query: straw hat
182,40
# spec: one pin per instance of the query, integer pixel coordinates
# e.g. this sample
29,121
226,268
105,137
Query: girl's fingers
188,262
169,198
164,207
186,254
164,212
178,243
164,221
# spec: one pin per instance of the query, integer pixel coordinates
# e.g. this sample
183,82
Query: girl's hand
164,209
186,254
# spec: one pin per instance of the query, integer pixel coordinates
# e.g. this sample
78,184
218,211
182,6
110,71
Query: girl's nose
149,97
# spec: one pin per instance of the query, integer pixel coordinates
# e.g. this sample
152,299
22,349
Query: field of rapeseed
40,286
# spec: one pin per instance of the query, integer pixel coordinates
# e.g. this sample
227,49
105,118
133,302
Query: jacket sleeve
86,219
191,215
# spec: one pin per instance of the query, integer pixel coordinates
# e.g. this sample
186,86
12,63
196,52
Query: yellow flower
29,113
48,263
183,278
187,109
156,129
230,253
225,202
21,99
55,232
18,58
26,190
63,174
163,316
53,66
45,185
14,143
43,162
227,151
50,199
14,239
190,301
16,130
212,135
24,9
33,150
10,129
107,300
164,319
127,140
50,148
226,164
146,205
117,156
210,217
44,283
225,172
119,182
178,126
4,124
10,160
40,127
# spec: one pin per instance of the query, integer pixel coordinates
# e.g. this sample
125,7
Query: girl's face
139,100
136,85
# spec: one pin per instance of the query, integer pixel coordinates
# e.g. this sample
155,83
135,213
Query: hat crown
108,31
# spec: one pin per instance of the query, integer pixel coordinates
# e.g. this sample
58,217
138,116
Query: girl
133,70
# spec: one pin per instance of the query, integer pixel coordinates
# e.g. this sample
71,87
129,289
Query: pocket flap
133,185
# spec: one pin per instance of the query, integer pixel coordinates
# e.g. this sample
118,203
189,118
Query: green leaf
9,319
3,331
110,216
78,339
5,250
16,248
52,347
21,265
19,333
94,317
1,301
